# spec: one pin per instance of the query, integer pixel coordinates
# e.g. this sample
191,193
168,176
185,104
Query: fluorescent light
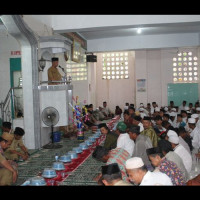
139,30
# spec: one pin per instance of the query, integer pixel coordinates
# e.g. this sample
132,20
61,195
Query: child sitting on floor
17,149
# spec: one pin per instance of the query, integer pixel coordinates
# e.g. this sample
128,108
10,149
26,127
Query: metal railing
7,107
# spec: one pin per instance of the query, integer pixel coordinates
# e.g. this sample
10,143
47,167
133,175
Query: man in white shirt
182,106
154,105
124,140
106,111
142,114
139,175
195,134
181,140
181,151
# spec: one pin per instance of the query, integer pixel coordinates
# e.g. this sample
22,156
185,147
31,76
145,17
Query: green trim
15,65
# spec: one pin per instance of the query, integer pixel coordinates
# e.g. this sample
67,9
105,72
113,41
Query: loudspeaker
91,58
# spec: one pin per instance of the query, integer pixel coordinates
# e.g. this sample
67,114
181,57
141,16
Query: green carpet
44,158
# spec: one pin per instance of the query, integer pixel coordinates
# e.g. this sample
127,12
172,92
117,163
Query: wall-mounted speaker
91,58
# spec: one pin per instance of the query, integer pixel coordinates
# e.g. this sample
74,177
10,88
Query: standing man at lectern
53,73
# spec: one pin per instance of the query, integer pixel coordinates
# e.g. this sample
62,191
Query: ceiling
193,27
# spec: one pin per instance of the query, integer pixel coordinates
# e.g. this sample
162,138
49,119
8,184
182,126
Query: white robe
195,134
155,178
186,157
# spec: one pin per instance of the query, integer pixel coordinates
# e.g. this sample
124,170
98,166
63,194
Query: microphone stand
65,77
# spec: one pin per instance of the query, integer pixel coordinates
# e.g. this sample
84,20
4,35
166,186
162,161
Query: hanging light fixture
42,64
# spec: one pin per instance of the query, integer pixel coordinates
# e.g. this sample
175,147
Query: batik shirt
171,170
119,156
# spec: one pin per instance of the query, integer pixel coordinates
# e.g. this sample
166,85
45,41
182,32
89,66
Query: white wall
156,67
115,92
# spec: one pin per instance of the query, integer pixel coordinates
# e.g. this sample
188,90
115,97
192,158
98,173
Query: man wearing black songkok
111,175
53,73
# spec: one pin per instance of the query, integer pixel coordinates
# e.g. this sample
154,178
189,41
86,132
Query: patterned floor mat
44,158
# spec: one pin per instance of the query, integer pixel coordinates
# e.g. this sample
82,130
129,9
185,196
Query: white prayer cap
198,109
141,109
141,105
171,133
174,139
188,111
165,108
173,109
186,108
157,109
191,121
134,163
194,116
173,114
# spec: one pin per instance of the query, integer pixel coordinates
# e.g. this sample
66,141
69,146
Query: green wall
15,65
178,92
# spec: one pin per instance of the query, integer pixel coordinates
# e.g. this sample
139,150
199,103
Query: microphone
61,68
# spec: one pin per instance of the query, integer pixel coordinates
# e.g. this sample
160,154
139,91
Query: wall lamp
42,64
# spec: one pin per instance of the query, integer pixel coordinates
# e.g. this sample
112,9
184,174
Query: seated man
139,175
8,170
149,131
179,122
142,143
116,155
124,140
111,137
118,110
165,166
158,127
106,111
180,150
167,125
111,175
6,127
12,153
101,115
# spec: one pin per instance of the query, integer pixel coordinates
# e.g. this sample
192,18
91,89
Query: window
185,68
77,71
115,65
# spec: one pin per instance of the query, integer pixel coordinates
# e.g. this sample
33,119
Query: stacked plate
37,181
65,158
58,166
73,154
83,146
77,149
49,173
88,142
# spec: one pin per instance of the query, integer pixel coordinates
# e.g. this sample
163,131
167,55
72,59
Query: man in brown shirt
53,73
17,148
8,170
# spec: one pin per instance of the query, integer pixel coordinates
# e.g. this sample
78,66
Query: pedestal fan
50,117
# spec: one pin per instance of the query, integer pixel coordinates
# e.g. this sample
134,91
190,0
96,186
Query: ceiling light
139,30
